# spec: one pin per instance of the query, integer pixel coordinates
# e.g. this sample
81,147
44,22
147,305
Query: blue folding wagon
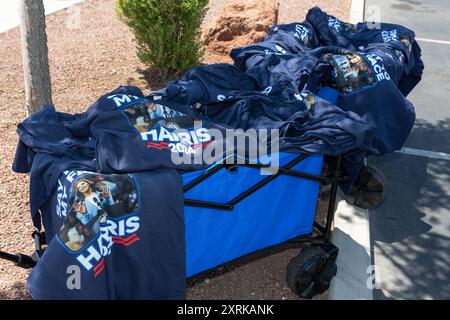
232,210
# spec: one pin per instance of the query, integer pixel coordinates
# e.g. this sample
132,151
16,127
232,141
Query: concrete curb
10,18
357,11
351,233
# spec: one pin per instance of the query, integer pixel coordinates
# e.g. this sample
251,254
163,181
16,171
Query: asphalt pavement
410,232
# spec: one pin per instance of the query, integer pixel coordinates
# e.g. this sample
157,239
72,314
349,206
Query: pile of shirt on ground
108,192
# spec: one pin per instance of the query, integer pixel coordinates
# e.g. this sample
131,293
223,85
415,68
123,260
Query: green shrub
166,32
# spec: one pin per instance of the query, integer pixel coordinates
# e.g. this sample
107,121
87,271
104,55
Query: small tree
33,39
167,32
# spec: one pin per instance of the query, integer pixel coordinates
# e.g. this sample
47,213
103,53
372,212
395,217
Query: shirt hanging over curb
122,234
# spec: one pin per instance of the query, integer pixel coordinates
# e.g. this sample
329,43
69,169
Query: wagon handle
21,260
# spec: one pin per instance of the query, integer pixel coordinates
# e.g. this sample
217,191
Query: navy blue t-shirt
367,85
333,32
136,133
272,109
118,236
121,236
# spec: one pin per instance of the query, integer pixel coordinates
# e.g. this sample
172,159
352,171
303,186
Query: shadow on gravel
410,230
18,291
150,79
145,80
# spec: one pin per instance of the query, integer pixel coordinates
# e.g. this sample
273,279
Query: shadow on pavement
410,230
353,279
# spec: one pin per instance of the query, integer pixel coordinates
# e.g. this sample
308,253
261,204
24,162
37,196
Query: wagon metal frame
308,274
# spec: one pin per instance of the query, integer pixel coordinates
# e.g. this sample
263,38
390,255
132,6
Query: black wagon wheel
311,271
369,189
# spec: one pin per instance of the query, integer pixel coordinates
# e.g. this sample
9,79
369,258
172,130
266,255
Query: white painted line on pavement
425,153
433,40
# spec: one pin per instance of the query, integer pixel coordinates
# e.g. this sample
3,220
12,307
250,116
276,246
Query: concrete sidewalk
9,11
